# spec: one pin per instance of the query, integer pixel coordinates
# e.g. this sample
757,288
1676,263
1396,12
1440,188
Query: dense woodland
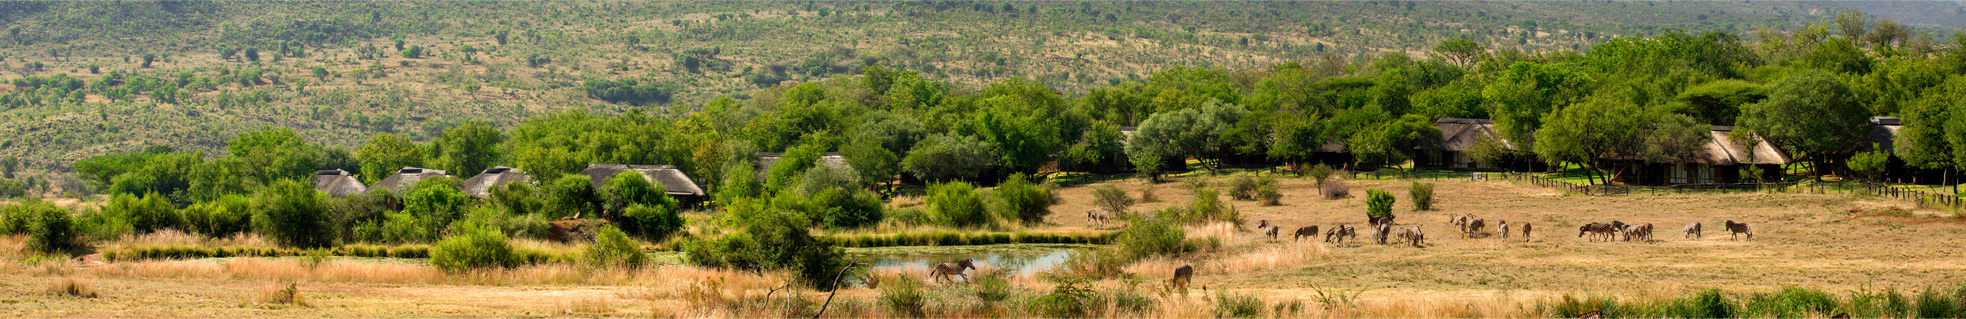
1809,89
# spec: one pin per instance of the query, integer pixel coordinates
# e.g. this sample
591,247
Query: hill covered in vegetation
92,78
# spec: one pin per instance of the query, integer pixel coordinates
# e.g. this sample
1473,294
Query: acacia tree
1461,51
1812,115
1585,131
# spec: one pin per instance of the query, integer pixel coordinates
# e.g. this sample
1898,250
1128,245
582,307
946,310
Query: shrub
473,247
1423,196
220,218
1378,203
1233,305
910,216
1333,188
770,240
836,207
572,195
1320,173
1243,187
19,219
1031,202
1268,195
613,248
1147,194
992,287
146,214
1145,237
290,213
652,222
53,231
97,225
957,204
1708,303
904,298
1572,307
1112,198
1068,299
1791,302
1934,303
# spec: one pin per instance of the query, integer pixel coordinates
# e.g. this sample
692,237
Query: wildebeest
1182,275
1736,229
1411,234
1595,230
1502,228
1474,227
943,271
1692,231
1271,231
1099,216
1339,233
1306,231
1525,232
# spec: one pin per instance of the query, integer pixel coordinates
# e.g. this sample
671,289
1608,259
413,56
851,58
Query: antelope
943,271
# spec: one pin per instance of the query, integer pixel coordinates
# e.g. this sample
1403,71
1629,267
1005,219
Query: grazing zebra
943,271
1692,231
1411,234
1306,231
1596,230
1270,231
1736,229
1099,217
1502,228
1339,233
1474,227
1381,231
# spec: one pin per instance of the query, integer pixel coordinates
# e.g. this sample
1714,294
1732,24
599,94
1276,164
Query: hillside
340,71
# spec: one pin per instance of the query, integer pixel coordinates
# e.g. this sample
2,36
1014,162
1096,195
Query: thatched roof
408,177
1459,135
831,159
1726,149
337,183
482,184
1883,131
673,180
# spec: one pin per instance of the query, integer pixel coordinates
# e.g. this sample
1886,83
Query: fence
1922,198
1927,199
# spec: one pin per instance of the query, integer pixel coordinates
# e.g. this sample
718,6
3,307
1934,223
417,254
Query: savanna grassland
1838,243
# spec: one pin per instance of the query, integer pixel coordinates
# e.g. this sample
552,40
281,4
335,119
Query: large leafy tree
1719,102
1812,115
469,148
274,154
1395,141
1525,92
944,157
1586,131
385,153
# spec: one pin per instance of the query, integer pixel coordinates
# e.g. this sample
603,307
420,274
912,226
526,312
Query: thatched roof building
482,184
408,177
337,183
672,180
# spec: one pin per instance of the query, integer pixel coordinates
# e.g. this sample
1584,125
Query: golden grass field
1834,242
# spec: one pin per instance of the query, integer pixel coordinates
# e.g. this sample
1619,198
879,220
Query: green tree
957,204
1584,132
1525,92
572,195
1870,165
1675,138
274,154
252,54
947,157
1719,102
1378,203
147,58
291,214
1394,142
1921,142
1812,115
468,149
386,153
1028,202
1461,51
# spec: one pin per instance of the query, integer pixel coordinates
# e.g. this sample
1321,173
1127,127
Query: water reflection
1025,259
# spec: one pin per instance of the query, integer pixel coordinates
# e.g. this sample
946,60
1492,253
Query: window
1678,172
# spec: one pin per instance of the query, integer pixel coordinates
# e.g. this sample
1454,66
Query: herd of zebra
1470,226
1617,230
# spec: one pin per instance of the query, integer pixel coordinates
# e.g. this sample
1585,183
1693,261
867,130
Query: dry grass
1828,241
286,295
72,287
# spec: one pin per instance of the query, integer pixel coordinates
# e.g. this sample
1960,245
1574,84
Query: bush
652,222
473,247
613,248
572,195
227,216
770,240
1268,195
1068,299
1145,237
1233,305
957,204
1031,202
1791,302
53,231
1708,303
19,219
1320,173
1243,187
904,298
1572,307
290,213
1334,188
146,214
1423,196
1147,194
1112,198
1378,203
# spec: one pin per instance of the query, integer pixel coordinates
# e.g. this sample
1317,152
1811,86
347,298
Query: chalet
337,183
1883,135
1460,135
831,159
481,185
407,177
672,180
1720,161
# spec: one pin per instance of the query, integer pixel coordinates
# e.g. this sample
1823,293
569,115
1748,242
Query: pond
1026,259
